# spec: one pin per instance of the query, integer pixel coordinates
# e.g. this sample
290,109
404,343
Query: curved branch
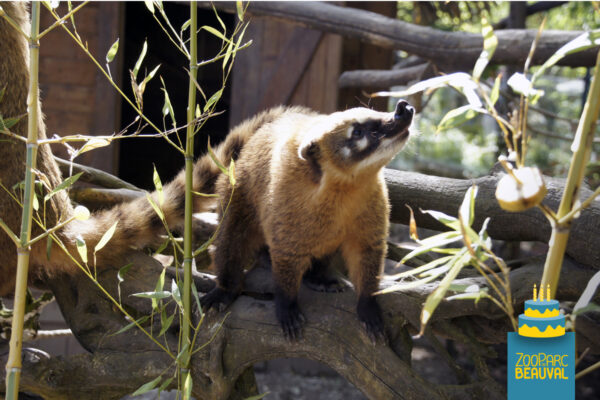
376,79
456,49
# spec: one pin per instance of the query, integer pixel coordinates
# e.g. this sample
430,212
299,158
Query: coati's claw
326,285
369,314
289,316
218,299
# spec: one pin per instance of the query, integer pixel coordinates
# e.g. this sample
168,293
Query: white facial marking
349,132
362,144
386,151
346,152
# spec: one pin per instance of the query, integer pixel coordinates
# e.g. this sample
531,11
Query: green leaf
176,293
146,387
93,144
106,237
165,384
422,268
140,59
590,307
7,123
582,42
35,202
212,155
158,186
406,285
219,19
81,248
63,185
440,240
456,117
131,325
214,32
213,99
149,5
148,78
163,246
239,7
186,25
165,323
434,299
231,173
157,210
490,42
227,54
187,386
467,208
197,298
121,277
153,295
520,84
495,94
183,352
160,284
167,106
449,221
112,52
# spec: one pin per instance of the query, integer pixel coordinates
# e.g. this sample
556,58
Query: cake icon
542,318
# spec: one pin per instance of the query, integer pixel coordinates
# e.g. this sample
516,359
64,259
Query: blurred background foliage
471,149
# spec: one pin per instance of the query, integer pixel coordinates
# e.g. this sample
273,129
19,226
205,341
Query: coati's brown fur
309,185
138,224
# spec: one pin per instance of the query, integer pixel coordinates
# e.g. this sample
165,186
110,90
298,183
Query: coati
309,185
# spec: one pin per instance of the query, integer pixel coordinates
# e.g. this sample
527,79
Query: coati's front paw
289,316
218,299
369,314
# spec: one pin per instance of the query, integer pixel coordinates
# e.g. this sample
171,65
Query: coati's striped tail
138,224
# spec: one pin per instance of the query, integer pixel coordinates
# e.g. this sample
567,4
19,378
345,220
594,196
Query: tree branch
451,49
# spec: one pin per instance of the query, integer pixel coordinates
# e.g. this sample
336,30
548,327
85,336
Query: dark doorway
137,156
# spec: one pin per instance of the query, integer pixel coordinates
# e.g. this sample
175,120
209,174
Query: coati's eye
357,133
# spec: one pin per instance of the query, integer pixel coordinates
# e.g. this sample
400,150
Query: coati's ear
311,153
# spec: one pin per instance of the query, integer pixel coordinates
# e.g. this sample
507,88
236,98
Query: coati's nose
404,111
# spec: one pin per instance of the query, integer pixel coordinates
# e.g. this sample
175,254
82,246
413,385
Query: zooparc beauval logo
541,356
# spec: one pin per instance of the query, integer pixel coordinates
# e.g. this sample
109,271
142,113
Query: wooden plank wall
76,97
286,64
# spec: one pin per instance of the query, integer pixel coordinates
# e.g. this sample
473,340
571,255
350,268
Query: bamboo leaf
165,384
176,293
166,323
197,298
160,284
7,123
112,52
582,42
140,59
183,352
434,299
157,210
239,7
92,144
231,173
213,99
146,387
63,185
441,240
495,94
490,42
149,5
467,208
153,295
131,325
456,117
214,32
106,237
158,186
449,221
167,106
227,54
422,268
218,163
406,285
121,277
81,248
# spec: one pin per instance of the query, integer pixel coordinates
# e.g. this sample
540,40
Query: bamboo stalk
186,343
581,148
14,363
